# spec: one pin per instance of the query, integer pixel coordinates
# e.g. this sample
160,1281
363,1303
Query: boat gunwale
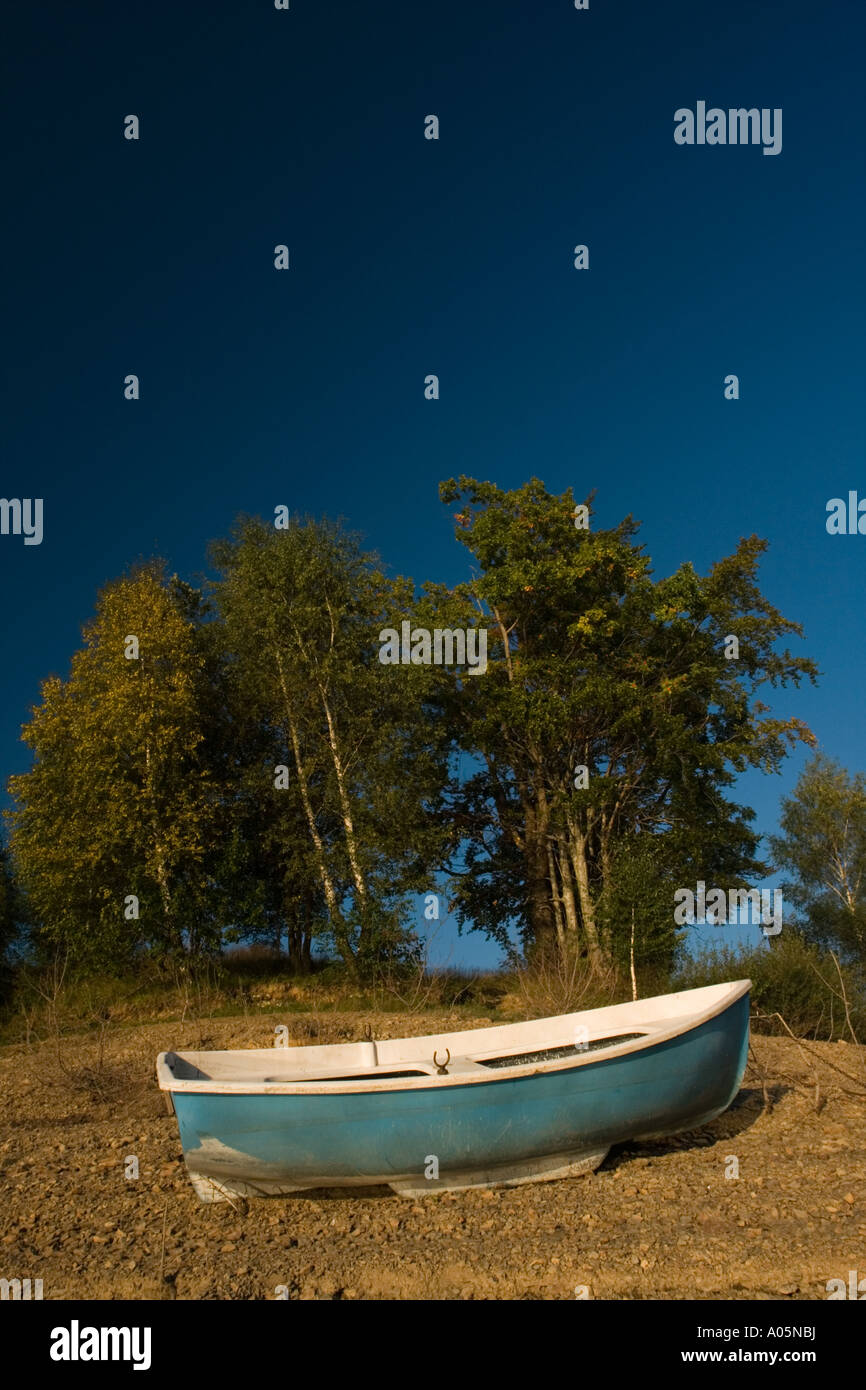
368,1084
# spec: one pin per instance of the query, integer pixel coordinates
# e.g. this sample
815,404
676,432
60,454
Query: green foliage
256,773
790,976
302,609
121,800
594,664
636,905
10,919
823,845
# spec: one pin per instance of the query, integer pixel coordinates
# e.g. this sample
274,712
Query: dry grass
565,982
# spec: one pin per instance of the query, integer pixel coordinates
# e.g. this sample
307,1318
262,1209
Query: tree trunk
306,933
172,937
173,934
555,896
294,934
348,823
541,918
577,850
340,933
567,881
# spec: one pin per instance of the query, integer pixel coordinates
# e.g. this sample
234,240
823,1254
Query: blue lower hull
380,1136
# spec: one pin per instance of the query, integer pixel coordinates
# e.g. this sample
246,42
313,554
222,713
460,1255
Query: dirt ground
656,1221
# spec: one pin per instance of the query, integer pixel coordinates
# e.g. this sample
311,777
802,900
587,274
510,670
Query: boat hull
496,1131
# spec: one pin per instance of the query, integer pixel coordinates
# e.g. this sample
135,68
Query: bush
792,977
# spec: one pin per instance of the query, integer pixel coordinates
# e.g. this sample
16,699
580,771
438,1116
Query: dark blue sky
411,256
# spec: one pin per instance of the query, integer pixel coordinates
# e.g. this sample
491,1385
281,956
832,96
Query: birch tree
303,607
822,845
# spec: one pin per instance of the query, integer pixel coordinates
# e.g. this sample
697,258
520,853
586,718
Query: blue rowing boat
503,1105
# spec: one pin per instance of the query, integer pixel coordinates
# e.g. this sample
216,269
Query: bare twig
762,1077
805,1048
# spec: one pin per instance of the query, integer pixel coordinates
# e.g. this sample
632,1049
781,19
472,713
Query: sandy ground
657,1221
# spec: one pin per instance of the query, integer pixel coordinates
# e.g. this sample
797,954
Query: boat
493,1106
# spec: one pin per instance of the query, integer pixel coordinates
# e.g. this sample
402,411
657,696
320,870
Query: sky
410,256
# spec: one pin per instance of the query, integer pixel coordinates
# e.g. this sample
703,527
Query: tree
266,874
115,824
303,607
610,709
823,846
634,906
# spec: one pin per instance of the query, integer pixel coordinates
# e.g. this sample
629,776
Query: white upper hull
365,1066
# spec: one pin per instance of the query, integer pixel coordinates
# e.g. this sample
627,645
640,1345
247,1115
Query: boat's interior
473,1053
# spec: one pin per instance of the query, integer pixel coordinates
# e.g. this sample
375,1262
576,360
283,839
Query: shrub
792,977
